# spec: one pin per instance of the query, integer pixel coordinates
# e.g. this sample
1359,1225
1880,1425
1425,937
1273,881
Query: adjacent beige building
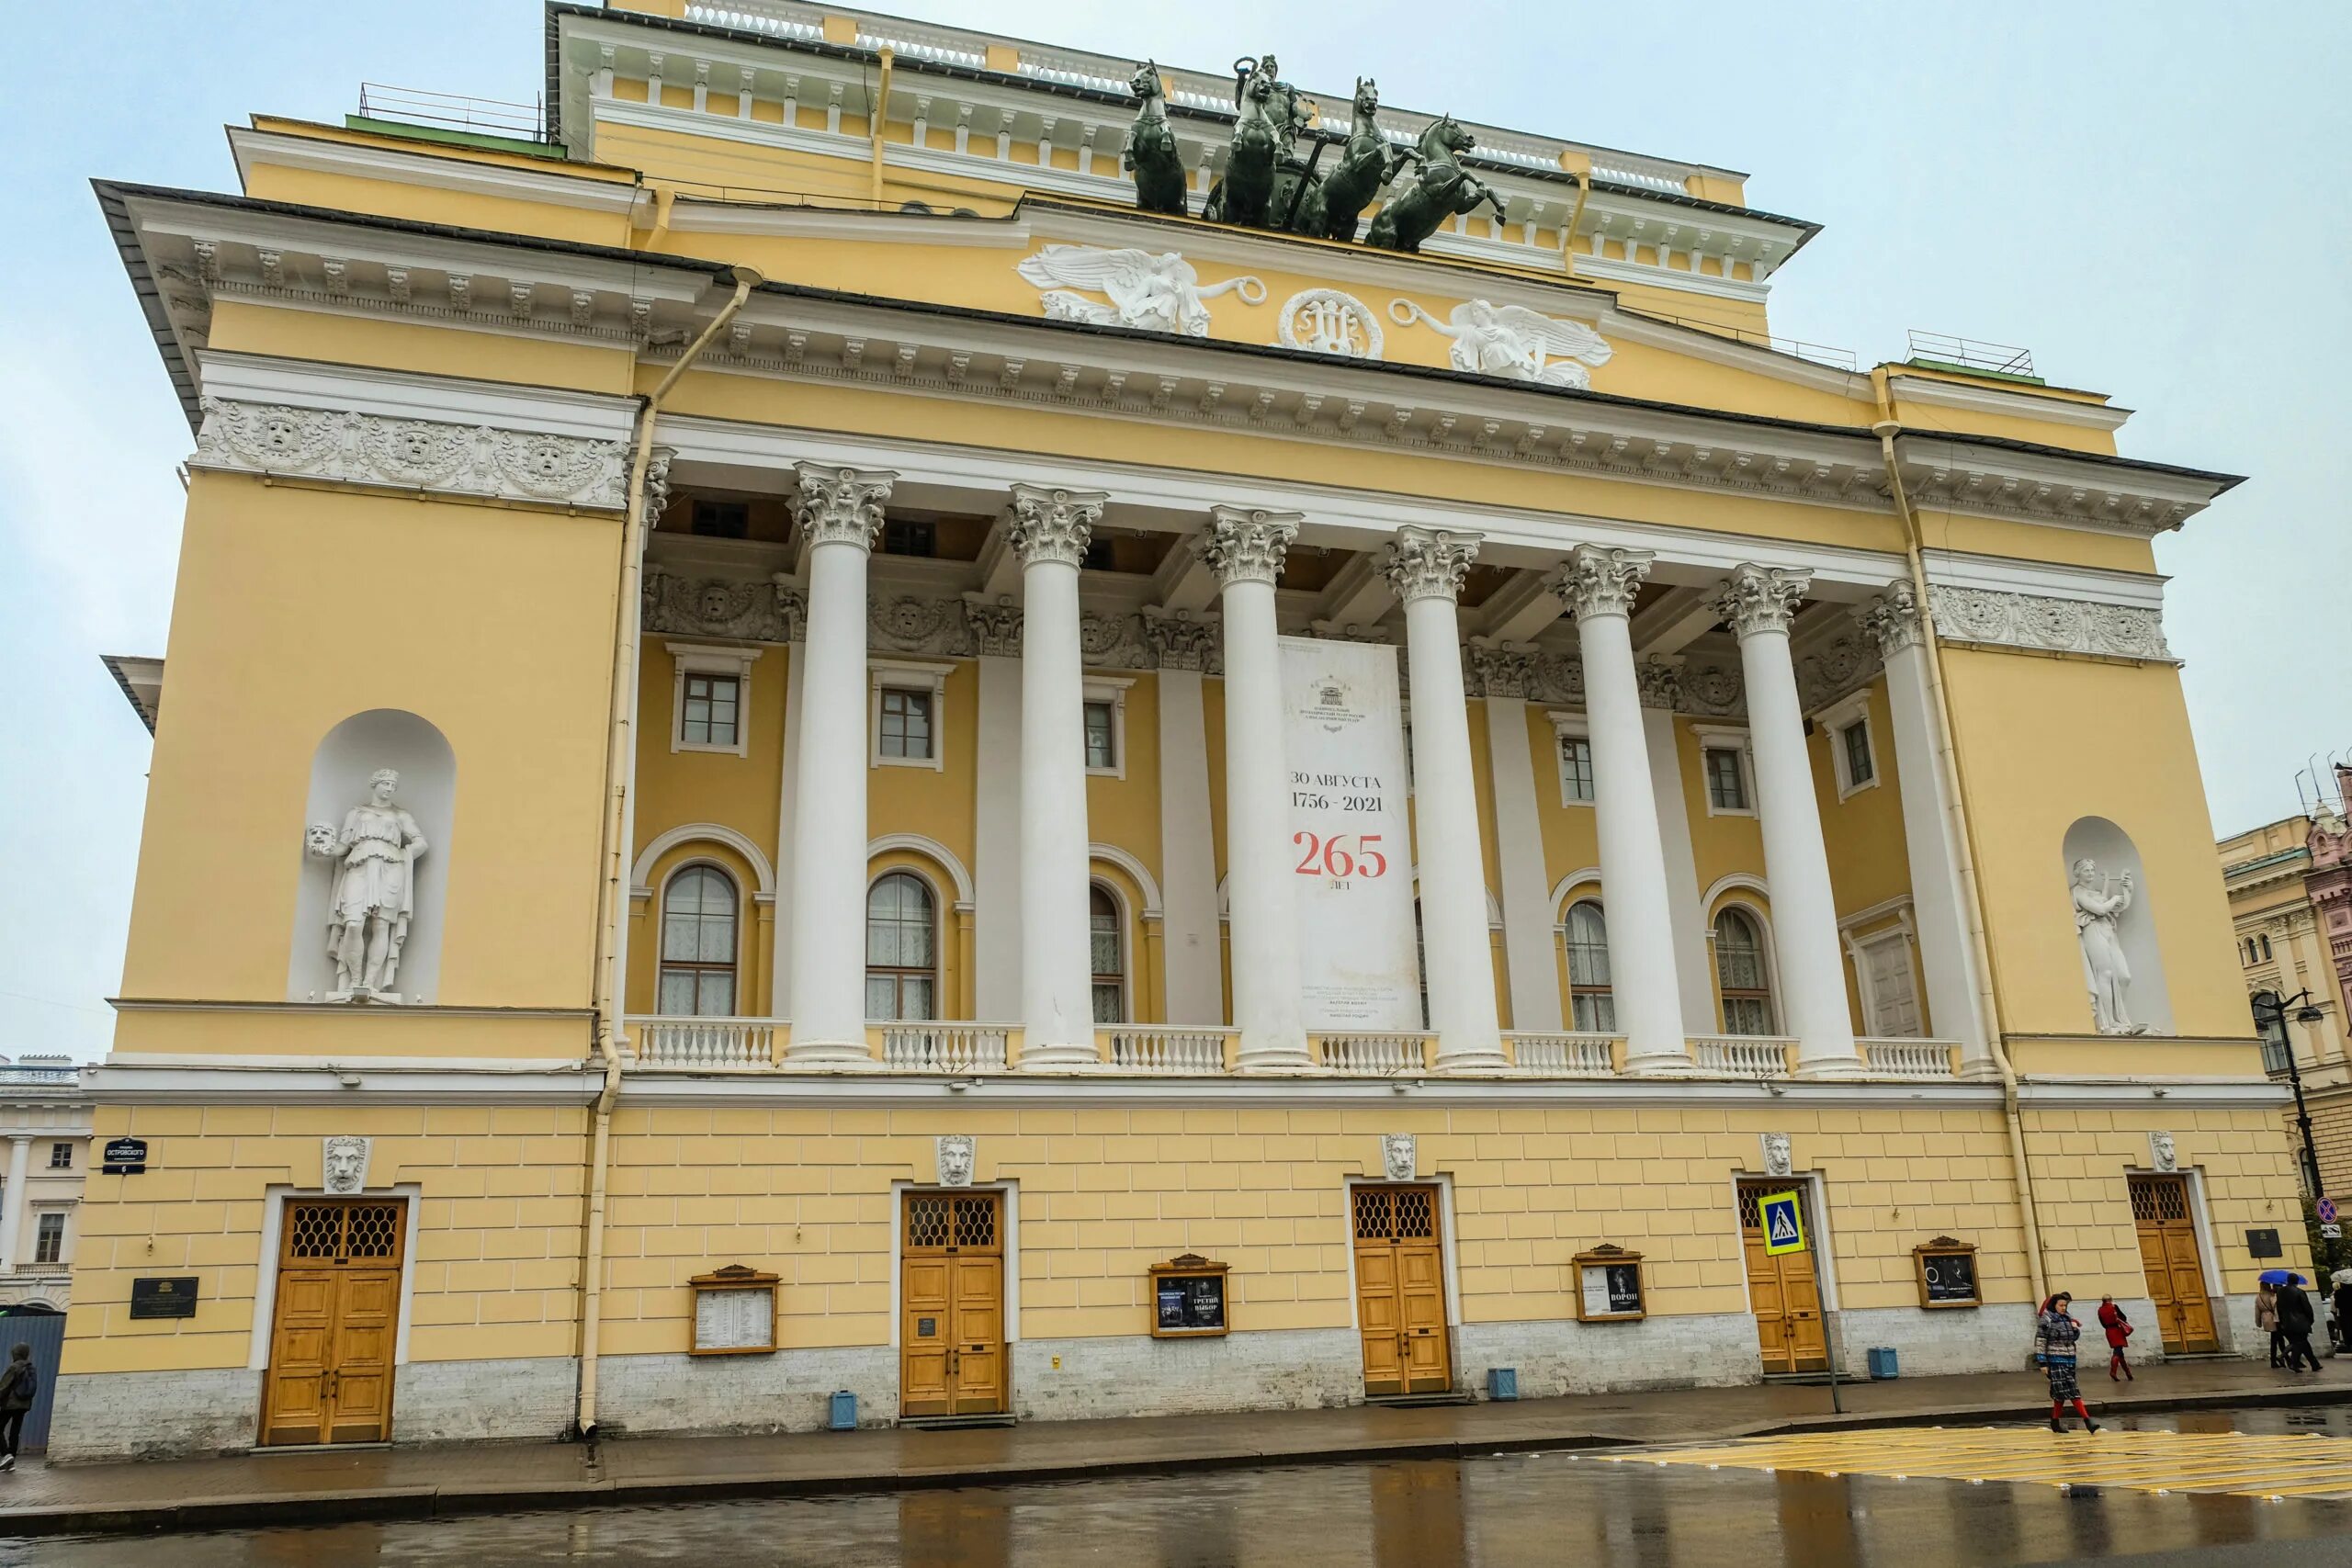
45,1117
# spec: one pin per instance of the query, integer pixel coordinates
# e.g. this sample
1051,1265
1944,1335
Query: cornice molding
2007,403
556,184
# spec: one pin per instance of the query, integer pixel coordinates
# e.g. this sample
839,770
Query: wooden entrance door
2168,1256
1782,1291
1400,1291
951,1328
338,1314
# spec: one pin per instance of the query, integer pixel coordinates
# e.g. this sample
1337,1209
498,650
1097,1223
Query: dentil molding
345,446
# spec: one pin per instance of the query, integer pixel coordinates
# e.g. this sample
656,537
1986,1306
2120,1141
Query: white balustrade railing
1374,1055
1742,1056
1908,1058
1565,1056
945,1047
1158,1048
785,20
705,1041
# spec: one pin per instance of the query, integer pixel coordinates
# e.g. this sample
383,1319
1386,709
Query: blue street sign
1783,1224
2327,1211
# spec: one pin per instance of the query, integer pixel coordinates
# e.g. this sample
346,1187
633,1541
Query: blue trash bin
843,1418
1502,1382
1883,1363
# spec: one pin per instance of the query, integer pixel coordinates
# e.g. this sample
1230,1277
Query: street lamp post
2276,1007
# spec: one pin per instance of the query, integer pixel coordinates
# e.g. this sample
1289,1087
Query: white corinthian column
839,514
1425,567
1597,586
1759,603
1244,548
1049,529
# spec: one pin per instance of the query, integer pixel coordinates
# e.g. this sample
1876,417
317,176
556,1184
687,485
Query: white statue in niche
2100,903
343,1164
374,894
1398,1156
956,1152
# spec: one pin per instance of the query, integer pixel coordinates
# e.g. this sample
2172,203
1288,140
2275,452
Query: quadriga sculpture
1151,155
1269,121
1366,163
1442,188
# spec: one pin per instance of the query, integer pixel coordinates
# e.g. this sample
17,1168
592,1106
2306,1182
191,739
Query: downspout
876,116
1947,767
611,894
1568,234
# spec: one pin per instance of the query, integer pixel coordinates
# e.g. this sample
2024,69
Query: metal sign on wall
1350,849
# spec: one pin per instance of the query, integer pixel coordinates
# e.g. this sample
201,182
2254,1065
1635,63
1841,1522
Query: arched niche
346,758
2147,1002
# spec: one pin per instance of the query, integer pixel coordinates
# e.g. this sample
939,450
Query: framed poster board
734,1312
1948,1273
1609,1285
1188,1299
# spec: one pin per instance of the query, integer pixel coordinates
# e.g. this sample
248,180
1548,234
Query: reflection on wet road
1507,1511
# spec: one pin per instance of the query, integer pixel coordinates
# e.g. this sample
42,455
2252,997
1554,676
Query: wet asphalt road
1511,1511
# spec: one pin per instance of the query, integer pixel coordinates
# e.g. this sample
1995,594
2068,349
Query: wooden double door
337,1320
1400,1290
951,1328
1782,1291
2176,1269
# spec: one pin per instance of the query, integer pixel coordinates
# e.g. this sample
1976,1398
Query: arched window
698,944
1106,939
1741,974
902,948
1594,1010
2265,948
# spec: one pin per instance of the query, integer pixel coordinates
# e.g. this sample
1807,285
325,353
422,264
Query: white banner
1343,735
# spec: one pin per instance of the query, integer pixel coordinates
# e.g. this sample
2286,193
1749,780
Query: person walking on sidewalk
2265,1319
2343,1277
2119,1337
2055,1335
2295,1319
18,1385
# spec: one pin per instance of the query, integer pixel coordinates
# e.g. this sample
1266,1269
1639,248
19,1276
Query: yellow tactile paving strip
2250,1465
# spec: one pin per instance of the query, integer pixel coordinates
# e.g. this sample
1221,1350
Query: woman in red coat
2119,1335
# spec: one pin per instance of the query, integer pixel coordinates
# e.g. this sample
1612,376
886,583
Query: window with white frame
49,1238
1853,756
909,713
711,697
901,949
698,921
1105,723
1742,975
61,1156
1574,744
1726,772
1107,946
1590,1003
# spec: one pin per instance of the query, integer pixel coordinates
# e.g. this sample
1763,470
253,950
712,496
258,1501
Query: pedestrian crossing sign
1783,1224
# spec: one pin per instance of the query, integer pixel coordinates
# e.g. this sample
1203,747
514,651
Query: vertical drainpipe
1964,843
878,114
611,892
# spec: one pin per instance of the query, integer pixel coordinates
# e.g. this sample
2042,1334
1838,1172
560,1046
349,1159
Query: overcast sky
2151,196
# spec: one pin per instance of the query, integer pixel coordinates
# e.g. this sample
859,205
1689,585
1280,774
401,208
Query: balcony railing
1157,1050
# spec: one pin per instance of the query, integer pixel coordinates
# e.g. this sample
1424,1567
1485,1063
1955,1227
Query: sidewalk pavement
314,1485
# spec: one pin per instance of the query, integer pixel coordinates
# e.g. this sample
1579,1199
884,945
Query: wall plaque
1947,1273
734,1312
123,1157
2263,1244
1188,1299
1609,1285
170,1297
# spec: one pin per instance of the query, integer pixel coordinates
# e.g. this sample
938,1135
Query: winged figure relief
1513,341
1158,293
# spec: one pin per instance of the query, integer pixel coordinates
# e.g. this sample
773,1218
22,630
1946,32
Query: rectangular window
1098,556
722,519
1856,739
902,538
712,710
1726,779
906,725
1576,770
1101,736
49,1245
61,1156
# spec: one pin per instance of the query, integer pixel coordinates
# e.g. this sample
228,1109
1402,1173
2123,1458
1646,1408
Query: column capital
1599,580
996,624
1504,669
841,506
1892,621
1757,599
1430,563
1247,543
1048,524
1661,682
1178,641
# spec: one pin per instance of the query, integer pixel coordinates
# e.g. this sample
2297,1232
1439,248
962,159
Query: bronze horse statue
1268,122
1442,188
1151,155
1366,163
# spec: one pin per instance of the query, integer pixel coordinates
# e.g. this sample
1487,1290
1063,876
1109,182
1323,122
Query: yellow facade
420,370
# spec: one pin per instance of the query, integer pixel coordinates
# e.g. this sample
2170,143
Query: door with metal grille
951,1328
1783,1290
330,1377
2169,1257
1400,1290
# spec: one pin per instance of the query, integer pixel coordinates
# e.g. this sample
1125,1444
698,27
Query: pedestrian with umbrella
2055,1335
2266,1311
2295,1320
